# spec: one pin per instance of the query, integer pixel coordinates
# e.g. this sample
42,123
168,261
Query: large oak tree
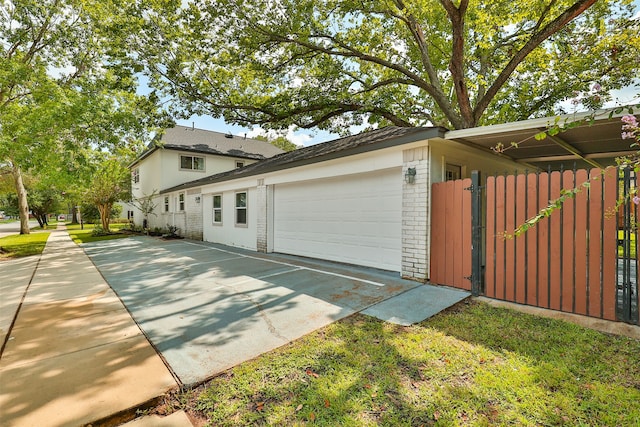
328,64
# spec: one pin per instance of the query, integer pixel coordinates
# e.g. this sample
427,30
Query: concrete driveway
208,307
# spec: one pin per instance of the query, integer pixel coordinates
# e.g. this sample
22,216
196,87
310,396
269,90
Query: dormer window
195,163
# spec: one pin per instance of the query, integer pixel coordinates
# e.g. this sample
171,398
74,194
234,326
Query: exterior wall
415,218
228,233
259,233
160,170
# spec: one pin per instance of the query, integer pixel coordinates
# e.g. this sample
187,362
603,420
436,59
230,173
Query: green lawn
20,245
85,235
473,365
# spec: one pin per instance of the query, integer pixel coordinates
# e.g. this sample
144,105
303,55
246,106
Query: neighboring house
185,154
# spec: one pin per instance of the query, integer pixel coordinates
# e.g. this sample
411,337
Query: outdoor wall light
197,199
410,176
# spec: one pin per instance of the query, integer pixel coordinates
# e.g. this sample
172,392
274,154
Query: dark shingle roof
209,142
350,145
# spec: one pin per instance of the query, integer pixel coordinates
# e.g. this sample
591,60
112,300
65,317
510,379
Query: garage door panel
355,219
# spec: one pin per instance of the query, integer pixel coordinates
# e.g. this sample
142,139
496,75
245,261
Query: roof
189,139
595,144
347,146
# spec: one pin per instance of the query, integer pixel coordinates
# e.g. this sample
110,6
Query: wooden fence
567,262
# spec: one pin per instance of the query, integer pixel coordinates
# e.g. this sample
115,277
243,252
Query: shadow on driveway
208,307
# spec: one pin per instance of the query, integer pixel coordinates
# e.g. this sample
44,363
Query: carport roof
593,144
347,146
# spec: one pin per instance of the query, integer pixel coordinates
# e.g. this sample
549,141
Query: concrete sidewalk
74,354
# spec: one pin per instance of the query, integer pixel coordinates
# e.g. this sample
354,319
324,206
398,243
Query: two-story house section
183,154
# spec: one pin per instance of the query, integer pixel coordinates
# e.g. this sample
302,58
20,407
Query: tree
280,141
111,182
336,63
65,86
147,206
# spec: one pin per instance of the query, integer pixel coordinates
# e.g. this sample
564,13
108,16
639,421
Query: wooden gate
451,234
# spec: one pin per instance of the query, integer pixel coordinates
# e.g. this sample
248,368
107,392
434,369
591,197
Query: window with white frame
217,209
135,175
166,203
195,163
181,202
241,208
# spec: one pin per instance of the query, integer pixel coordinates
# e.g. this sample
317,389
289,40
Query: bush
99,231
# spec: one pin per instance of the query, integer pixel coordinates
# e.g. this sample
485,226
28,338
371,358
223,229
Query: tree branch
553,27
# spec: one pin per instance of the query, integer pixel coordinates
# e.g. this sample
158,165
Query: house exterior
362,200
184,154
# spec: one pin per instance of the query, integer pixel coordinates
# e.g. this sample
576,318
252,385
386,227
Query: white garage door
354,219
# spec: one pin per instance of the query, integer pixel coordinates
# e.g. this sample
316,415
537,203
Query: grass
85,235
472,365
21,245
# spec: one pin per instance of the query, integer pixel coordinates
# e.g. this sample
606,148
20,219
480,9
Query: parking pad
208,307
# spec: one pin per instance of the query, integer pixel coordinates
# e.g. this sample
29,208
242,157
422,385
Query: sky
306,137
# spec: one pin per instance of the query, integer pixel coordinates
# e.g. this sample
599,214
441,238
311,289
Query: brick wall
261,225
193,215
415,218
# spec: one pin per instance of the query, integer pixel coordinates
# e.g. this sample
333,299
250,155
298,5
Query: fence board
438,229
594,288
520,248
581,248
555,251
542,229
501,243
490,247
510,223
456,242
532,239
465,252
610,233
568,245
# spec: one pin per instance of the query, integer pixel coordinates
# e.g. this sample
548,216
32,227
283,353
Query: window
181,202
452,172
166,203
192,163
239,164
135,175
241,208
217,209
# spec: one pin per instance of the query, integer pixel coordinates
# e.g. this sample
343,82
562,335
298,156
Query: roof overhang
586,140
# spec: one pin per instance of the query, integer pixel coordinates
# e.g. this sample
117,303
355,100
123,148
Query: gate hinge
473,188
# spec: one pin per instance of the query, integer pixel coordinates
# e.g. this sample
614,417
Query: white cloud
298,138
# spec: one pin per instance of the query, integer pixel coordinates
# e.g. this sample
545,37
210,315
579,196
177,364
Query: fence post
476,234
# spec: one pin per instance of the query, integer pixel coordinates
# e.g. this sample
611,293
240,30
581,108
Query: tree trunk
23,204
105,213
74,215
